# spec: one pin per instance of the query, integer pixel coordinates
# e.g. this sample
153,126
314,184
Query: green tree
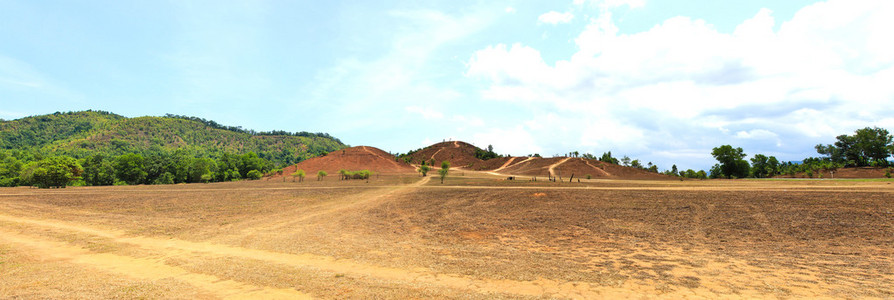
607,157
321,174
300,174
129,168
445,168
874,145
99,170
255,175
56,171
199,168
760,165
674,170
423,169
731,161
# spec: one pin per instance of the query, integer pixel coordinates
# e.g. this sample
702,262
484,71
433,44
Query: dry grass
476,236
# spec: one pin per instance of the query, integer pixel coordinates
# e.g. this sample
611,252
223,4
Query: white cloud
826,72
555,17
516,140
510,10
612,3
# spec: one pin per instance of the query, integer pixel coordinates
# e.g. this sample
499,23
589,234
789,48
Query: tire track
154,269
146,268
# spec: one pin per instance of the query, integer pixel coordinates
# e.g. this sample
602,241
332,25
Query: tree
445,168
874,145
321,174
129,168
759,165
199,168
300,174
607,157
55,171
423,169
636,164
625,160
255,175
731,161
772,166
98,170
674,170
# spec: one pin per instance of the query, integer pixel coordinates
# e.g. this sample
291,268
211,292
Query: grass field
475,236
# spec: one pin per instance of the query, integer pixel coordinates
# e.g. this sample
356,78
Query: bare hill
579,167
352,159
459,154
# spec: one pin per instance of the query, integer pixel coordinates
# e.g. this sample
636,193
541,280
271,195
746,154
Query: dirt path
506,164
157,269
455,144
552,168
142,268
379,156
600,170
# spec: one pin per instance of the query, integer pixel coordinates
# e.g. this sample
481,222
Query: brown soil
579,167
351,159
473,237
493,164
459,154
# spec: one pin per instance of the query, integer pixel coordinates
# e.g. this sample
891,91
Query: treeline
162,167
87,133
868,147
215,125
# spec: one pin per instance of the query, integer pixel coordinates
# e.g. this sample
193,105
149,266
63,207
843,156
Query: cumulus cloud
555,17
827,71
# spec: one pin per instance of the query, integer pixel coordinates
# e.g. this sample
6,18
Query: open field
476,236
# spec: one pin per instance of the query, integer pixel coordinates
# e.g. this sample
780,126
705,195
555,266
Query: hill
564,167
459,154
353,159
81,134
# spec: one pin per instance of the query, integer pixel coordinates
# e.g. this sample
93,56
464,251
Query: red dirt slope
459,154
352,159
564,167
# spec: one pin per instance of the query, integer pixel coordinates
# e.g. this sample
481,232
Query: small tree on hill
423,169
300,174
255,175
445,168
321,174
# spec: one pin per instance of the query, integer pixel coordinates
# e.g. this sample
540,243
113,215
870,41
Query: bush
254,174
589,177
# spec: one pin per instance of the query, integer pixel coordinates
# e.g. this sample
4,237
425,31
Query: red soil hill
564,167
352,159
459,154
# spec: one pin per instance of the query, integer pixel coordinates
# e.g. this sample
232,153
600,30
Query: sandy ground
475,236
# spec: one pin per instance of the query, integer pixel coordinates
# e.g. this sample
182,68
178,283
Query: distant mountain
81,134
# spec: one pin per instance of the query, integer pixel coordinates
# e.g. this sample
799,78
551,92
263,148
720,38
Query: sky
663,81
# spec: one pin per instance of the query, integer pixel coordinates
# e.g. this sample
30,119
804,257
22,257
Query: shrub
321,174
589,177
253,175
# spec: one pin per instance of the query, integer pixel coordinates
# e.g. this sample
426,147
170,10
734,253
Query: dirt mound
494,163
863,172
565,166
352,159
459,154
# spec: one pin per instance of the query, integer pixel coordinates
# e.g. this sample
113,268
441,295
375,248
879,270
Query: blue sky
662,81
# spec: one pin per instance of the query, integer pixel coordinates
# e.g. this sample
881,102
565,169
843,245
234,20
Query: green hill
85,133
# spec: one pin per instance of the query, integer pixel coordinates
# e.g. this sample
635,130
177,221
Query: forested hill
85,133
